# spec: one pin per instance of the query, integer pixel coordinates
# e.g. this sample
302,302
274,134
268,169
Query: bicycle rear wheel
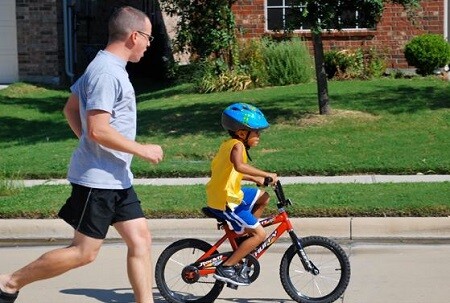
172,268
331,281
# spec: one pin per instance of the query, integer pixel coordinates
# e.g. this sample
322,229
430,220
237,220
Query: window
284,14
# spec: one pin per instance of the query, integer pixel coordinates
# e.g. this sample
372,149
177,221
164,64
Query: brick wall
392,33
40,40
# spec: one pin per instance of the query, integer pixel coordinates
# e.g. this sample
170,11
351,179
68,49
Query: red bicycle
313,269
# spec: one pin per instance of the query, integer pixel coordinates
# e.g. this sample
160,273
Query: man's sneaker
228,274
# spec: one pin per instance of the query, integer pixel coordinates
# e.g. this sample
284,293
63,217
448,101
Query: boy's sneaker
228,274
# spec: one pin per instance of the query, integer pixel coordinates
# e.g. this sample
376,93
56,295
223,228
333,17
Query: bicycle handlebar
278,189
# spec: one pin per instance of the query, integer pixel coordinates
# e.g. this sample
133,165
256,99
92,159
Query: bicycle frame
208,260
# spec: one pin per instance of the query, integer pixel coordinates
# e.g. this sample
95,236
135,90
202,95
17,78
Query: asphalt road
381,273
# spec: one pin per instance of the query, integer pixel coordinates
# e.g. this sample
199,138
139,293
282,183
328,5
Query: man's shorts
91,211
241,217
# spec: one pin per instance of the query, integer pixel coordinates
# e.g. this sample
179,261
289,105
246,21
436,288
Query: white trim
446,20
9,60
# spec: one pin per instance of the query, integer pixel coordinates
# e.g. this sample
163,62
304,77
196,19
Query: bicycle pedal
232,286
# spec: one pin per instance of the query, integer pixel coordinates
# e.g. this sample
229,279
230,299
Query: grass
383,126
310,200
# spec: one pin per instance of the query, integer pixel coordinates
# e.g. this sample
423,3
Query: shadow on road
125,295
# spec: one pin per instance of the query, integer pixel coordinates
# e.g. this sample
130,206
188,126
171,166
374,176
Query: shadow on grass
32,129
204,117
396,100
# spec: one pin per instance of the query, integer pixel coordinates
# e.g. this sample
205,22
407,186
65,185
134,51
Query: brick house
51,41
255,18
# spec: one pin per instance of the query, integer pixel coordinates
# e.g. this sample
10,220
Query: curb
168,230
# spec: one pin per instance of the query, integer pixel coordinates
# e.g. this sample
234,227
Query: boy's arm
250,172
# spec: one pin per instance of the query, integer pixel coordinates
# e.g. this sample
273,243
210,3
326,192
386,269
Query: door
9,70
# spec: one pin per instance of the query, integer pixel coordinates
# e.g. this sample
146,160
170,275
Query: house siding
389,38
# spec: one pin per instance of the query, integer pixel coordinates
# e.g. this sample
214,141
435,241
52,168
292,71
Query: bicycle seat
207,212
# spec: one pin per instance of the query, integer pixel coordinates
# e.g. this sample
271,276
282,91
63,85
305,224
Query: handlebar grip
267,181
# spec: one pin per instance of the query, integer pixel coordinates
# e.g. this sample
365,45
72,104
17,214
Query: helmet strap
245,141
247,147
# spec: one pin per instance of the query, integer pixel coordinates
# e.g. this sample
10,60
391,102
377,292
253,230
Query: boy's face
253,137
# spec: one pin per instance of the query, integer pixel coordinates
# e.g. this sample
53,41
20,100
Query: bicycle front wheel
174,266
328,284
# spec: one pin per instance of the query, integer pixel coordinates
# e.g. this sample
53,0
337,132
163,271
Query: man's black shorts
91,210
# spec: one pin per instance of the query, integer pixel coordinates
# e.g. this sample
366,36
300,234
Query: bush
351,64
260,63
251,60
216,76
427,52
288,62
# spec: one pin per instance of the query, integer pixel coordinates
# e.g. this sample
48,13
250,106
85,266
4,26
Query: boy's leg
260,204
82,251
257,235
139,266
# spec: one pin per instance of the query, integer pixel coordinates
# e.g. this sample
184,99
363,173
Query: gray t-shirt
104,86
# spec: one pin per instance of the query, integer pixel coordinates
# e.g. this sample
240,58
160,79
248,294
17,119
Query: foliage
260,63
287,62
351,64
205,27
326,15
427,52
252,61
228,80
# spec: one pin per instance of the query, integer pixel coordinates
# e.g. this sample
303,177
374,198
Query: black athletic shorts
91,210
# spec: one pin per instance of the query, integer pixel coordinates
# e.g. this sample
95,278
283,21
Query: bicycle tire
326,287
168,274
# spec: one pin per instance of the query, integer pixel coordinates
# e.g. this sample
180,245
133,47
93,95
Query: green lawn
381,126
310,200
384,126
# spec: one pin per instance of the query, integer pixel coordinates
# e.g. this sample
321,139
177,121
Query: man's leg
82,251
138,239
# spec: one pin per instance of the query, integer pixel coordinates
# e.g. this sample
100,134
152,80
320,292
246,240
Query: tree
327,15
204,28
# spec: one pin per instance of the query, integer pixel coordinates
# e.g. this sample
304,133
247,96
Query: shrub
216,76
251,58
288,62
427,52
350,64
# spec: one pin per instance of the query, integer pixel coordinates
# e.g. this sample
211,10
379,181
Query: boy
226,199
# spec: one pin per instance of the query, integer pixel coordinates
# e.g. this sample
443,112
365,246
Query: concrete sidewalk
366,179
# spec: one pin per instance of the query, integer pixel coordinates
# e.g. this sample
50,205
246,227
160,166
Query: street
381,273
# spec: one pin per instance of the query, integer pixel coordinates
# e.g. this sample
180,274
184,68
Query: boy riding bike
226,199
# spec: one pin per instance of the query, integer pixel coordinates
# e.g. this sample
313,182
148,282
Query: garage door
8,43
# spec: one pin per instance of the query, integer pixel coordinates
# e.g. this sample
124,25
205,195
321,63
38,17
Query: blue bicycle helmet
243,116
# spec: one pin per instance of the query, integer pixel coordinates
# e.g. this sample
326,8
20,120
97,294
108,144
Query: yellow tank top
224,188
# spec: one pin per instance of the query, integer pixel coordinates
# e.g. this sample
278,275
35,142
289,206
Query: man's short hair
125,20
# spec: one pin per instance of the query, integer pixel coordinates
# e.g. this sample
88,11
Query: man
101,111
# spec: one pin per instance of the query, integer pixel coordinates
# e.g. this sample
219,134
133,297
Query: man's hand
152,153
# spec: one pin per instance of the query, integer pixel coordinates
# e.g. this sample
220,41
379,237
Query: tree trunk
321,75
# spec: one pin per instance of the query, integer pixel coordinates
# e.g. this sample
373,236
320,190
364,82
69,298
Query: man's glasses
149,38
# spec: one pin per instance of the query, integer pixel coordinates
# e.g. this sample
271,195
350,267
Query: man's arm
72,113
100,131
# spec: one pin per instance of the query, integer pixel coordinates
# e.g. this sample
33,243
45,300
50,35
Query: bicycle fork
307,263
